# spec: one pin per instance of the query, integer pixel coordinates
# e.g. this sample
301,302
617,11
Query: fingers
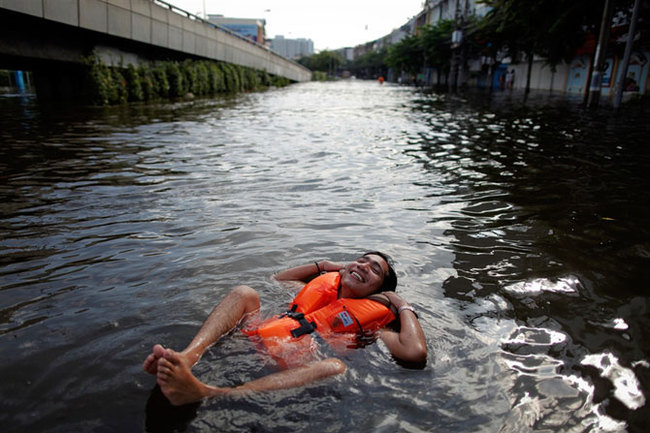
332,266
394,298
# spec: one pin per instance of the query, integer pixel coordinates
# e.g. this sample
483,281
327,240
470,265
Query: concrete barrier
154,23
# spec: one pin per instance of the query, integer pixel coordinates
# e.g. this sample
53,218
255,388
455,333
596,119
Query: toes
165,369
158,351
172,357
149,365
165,364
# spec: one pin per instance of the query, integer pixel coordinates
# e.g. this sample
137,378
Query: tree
370,65
436,45
406,55
325,61
553,29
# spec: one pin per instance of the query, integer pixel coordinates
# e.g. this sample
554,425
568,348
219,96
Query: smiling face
363,276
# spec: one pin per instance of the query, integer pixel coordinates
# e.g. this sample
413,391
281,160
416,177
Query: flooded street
519,231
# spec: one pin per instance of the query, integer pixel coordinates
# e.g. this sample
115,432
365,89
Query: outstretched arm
304,273
409,344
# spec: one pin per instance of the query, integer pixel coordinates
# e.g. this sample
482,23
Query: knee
248,296
333,366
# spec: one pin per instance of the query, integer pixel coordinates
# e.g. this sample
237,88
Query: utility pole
599,58
456,40
618,89
456,46
462,67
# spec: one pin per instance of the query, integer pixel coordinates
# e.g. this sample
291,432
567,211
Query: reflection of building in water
292,48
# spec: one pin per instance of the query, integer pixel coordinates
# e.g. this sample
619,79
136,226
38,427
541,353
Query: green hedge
319,76
171,80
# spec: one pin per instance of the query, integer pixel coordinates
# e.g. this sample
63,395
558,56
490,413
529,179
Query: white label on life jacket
345,318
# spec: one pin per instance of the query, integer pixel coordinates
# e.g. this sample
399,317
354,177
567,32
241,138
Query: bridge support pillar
59,82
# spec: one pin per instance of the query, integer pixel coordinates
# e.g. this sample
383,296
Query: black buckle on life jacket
306,327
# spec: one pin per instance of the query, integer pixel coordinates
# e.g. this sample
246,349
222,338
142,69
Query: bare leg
295,377
180,386
240,301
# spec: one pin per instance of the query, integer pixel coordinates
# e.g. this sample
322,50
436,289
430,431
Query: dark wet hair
390,280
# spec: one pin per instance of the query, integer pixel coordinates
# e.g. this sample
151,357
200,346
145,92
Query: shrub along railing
107,85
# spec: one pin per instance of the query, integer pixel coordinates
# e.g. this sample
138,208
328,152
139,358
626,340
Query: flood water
519,230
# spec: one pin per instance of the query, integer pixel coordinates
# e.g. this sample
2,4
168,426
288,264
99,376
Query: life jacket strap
306,327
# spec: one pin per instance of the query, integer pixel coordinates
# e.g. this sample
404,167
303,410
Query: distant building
436,10
346,53
292,48
250,28
395,36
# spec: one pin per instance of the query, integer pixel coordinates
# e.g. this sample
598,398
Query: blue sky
330,24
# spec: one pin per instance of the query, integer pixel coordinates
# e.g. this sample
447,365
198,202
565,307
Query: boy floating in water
337,299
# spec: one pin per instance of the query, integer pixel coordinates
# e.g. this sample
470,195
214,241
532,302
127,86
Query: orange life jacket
316,308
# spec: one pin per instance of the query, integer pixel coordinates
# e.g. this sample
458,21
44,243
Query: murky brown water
520,232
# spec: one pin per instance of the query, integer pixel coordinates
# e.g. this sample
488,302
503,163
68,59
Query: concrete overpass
50,37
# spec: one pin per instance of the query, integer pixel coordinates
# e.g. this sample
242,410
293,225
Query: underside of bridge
54,52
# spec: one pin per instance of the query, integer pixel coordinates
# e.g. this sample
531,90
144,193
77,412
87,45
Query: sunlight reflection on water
122,227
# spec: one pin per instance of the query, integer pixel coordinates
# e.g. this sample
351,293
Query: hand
366,338
409,343
396,300
327,266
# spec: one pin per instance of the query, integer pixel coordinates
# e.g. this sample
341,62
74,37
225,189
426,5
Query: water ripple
519,230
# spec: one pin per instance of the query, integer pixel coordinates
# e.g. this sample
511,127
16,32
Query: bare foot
150,365
178,383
